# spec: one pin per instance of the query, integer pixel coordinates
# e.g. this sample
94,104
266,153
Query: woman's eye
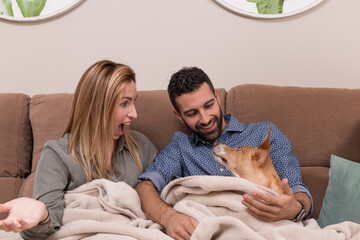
123,104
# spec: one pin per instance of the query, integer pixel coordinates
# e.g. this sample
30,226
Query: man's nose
204,117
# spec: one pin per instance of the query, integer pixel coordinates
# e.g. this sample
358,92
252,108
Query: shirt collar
233,126
121,144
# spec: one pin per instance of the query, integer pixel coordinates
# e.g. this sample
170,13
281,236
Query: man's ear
217,96
178,116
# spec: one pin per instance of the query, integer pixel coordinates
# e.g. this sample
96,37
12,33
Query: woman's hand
24,213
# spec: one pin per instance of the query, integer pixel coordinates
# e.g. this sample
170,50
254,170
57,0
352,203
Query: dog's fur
251,163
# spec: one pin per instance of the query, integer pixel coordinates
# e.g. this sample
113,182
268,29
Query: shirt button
221,169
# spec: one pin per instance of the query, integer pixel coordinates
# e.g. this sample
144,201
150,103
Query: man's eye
209,106
191,114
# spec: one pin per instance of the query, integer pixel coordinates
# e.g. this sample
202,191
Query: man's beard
211,136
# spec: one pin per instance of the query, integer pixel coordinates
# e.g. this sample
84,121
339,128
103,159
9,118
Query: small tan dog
251,163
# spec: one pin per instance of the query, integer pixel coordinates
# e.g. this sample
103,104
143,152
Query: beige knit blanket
104,210
215,202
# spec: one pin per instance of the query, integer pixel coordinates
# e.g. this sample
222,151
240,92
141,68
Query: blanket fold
103,209
215,202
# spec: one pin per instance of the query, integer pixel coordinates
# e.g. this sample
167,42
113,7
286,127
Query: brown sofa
318,121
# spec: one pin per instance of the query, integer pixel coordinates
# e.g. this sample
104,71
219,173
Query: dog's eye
238,149
224,160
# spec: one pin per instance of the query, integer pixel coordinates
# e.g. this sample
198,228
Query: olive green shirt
57,172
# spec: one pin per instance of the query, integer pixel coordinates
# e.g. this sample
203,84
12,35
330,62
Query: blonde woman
96,143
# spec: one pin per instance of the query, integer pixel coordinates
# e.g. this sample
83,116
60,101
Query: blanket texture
103,210
215,202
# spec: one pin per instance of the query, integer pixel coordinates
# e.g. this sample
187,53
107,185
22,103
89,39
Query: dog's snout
217,148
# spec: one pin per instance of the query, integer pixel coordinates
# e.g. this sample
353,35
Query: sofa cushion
316,179
27,186
15,135
156,119
318,121
10,188
341,202
49,115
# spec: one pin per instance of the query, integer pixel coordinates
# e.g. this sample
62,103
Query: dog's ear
262,151
260,156
266,143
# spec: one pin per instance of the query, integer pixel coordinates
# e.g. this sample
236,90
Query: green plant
6,8
31,8
269,6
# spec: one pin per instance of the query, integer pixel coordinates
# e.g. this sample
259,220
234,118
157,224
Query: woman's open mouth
119,131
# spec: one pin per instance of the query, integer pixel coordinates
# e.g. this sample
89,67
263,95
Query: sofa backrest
15,135
48,117
15,144
49,114
318,121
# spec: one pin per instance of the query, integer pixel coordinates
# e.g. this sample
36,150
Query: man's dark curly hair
187,80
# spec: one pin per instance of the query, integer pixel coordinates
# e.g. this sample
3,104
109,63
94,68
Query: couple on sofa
97,143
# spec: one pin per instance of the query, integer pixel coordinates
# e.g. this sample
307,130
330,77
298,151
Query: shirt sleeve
166,165
50,181
286,163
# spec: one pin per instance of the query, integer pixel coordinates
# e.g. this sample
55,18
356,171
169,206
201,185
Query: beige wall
320,47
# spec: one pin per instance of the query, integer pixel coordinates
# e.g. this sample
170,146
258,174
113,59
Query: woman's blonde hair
90,124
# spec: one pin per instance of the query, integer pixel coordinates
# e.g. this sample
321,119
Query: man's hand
180,226
24,213
275,208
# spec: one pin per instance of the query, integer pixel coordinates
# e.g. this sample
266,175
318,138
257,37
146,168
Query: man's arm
177,225
305,200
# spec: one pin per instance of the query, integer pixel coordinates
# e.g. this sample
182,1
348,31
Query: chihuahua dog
251,163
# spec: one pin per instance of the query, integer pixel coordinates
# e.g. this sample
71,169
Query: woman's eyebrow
129,98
